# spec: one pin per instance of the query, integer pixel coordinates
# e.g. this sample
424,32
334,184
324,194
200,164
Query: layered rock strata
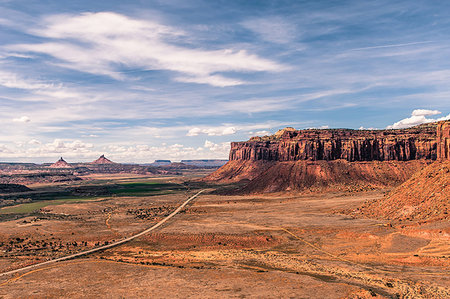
443,140
333,159
334,144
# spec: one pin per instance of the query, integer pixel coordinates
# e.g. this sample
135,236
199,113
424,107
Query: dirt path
87,252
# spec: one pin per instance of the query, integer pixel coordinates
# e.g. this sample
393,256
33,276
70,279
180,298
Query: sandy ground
227,246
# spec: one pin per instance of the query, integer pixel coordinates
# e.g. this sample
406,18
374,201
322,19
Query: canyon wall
316,160
443,140
334,144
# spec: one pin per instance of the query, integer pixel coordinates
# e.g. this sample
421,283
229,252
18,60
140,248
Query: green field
33,206
51,198
145,189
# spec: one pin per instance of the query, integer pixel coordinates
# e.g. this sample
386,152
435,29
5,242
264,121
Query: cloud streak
100,43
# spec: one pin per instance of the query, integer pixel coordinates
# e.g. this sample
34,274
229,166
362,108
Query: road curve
68,257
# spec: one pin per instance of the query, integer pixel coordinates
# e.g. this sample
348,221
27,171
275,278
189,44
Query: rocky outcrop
334,144
315,176
61,163
425,196
333,159
443,140
102,160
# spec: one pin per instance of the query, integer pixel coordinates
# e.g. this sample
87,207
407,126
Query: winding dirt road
87,252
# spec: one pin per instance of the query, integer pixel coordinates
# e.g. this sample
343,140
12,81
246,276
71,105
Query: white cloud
4,149
22,119
99,42
220,148
214,80
174,152
34,141
424,112
260,133
64,146
12,80
48,90
418,117
321,127
218,131
364,128
272,29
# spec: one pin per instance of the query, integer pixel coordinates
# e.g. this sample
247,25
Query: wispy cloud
138,75
392,46
274,29
22,119
101,43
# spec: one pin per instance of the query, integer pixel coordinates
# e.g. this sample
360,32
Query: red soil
423,197
316,176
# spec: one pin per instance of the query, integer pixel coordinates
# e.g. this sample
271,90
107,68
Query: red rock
425,196
333,144
60,164
103,160
315,176
333,159
443,137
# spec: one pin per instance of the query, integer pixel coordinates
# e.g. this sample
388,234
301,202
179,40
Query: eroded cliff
334,144
333,159
443,140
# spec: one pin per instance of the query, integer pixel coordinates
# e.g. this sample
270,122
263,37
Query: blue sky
173,79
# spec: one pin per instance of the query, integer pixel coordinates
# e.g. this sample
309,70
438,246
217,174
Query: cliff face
351,145
443,140
315,176
333,160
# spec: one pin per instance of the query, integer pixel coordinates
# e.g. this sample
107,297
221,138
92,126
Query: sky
175,79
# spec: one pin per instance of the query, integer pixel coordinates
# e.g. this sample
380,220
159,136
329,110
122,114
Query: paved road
84,253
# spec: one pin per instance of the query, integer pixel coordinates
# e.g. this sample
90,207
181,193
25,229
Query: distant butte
103,160
61,163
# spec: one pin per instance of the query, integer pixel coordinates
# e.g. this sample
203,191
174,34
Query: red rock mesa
340,159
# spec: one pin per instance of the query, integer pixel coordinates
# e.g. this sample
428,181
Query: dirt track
114,244
233,246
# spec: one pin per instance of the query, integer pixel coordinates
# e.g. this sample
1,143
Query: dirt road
87,252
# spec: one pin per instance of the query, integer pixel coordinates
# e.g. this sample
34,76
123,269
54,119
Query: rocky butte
61,163
338,159
102,160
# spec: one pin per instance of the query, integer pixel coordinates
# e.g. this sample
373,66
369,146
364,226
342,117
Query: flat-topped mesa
443,139
415,143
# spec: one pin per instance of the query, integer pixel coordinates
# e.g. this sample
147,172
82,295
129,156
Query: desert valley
330,212
225,149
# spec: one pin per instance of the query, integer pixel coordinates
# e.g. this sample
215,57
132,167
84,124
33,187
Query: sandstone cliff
443,140
333,144
333,159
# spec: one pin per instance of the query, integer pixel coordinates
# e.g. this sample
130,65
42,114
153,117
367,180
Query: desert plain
282,245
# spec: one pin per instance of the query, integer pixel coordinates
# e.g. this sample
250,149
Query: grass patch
33,206
145,189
